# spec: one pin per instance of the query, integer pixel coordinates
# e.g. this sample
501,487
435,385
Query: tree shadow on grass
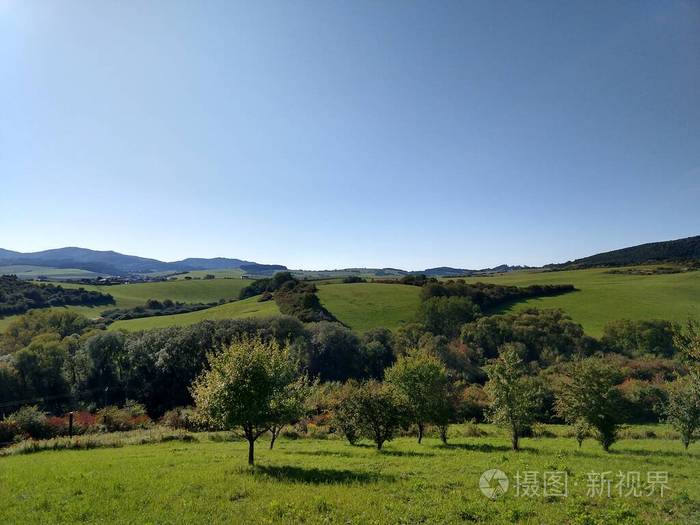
321,453
405,453
319,476
485,447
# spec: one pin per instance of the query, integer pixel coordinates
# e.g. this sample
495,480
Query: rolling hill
686,249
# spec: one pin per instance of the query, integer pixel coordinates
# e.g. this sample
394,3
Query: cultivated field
329,481
25,271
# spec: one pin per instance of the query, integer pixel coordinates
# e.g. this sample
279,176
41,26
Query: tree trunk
421,427
251,451
275,431
514,440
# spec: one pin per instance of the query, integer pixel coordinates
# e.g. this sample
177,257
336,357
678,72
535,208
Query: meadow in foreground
329,481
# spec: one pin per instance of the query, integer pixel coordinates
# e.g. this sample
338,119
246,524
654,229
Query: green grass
229,273
364,306
239,309
25,271
605,297
329,481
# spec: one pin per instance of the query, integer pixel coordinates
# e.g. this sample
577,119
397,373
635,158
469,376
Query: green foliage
683,408
380,410
445,315
423,381
515,398
636,338
547,335
590,393
489,295
251,385
29,421
17,296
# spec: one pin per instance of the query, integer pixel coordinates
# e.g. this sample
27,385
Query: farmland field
364,306
604,296
238,309
329,481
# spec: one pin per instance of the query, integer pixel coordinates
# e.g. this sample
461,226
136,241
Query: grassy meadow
328,481
26,271
236,310
364,306
604,296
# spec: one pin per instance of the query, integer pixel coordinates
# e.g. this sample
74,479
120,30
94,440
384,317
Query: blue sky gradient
336,134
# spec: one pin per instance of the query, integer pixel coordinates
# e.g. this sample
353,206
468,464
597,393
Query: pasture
328,481
25,271
605,296
238,309
365,306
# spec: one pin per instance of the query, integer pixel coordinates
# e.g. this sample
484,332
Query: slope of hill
365,306
604,296
678,250
250,307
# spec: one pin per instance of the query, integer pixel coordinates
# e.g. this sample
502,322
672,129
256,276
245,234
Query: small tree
423,381
380,411
580,430
514,397
251,385
346,412
590,394
688,341
683,408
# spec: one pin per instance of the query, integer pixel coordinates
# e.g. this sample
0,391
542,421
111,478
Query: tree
514,397
590,394
346,412
380,411
247,385
423,381
683,408
688,341
445,315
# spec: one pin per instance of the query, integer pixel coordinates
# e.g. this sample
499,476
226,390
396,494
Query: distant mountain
686,249
113,263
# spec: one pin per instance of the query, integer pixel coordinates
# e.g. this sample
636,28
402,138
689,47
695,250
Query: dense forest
17,296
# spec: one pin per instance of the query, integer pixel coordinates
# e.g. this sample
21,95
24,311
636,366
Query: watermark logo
493,483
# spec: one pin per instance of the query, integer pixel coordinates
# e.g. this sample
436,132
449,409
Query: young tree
248,385
580,430
683,408
514,397
346,412
590,394
423,381
380,411
688,341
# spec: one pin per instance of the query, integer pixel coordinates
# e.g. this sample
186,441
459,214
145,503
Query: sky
332,134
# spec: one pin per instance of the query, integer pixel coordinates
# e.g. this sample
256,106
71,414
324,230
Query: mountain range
118,264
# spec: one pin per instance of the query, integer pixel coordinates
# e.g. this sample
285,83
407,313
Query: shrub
180,418
32,422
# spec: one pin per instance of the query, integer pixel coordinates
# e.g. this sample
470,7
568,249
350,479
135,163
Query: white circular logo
493,483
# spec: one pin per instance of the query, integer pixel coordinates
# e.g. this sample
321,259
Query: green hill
364,306
677,250
604,296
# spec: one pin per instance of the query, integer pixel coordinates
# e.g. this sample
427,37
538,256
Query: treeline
18,296
489,295
61,361
152,308
293,297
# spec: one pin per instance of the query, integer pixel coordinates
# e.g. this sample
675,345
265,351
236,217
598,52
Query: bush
114,419
180,418
31,422
8,431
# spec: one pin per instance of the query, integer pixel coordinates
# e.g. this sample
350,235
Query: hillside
365,306
250,307
678,250
604,296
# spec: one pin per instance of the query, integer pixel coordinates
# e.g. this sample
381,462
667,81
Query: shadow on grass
321,453
485,447
319,476
405,453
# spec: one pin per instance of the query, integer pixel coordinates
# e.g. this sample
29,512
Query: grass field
364,306
229,273
604,297
237,309
329,481
24,271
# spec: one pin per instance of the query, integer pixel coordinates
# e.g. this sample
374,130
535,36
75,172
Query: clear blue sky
330,134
